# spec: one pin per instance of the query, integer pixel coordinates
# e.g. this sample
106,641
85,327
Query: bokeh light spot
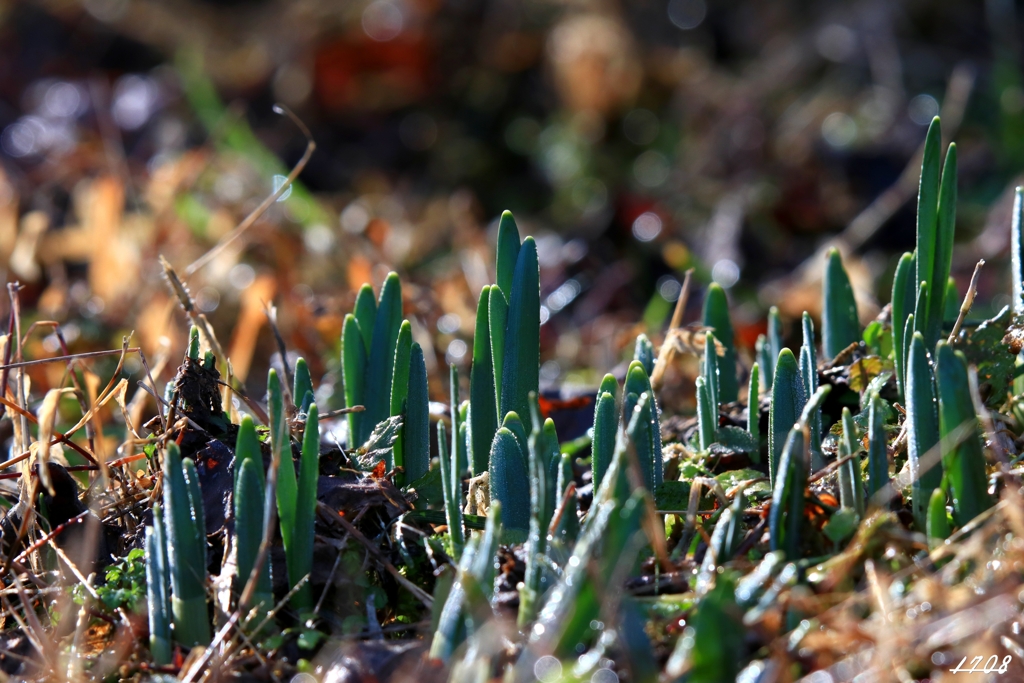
687,14
647,226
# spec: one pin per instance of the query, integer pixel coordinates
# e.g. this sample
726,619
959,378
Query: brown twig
59,436
72,357
423,596
667,351
965,307
181,292
570,490
261,209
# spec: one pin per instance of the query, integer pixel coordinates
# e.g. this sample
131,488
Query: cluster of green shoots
499,436
176,544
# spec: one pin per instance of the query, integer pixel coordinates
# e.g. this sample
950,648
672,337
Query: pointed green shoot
299,555
909,328
521,365
483,416
706,423
605,424
928,211
365,312
787,404
763,354
787,509
945,227
286,490
463,441
938,523
451,628
851,488
247,447
754,411
1017,252
775,339
639,431
193,343
458,442
158,589
569,524
553,454
186,554
380,363
452,491
903,299
497,318
878,457
638,383
839,322
507,253
920,313
248,503
509,479
400,391
922,427
643,351
458,434
711,374
952,301
302,388
195,501
809,377
963,460
536,542
416,429
716,316
353,372
514,424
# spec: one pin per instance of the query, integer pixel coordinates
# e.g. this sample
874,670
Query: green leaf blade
416,427
605,425
521,366
400,390
715,314
381,361
963,463
353,369
787,404
903,300
507,253
922,426
483,416
840,324
927,213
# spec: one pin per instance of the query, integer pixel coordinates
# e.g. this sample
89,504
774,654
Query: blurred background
633,140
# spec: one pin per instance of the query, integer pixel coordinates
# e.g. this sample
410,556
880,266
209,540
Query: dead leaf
47,415
24,261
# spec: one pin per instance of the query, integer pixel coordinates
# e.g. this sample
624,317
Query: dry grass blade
868,222
71,357
255,407
47,416
180,291
251,219
667,351
57,436
422,595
